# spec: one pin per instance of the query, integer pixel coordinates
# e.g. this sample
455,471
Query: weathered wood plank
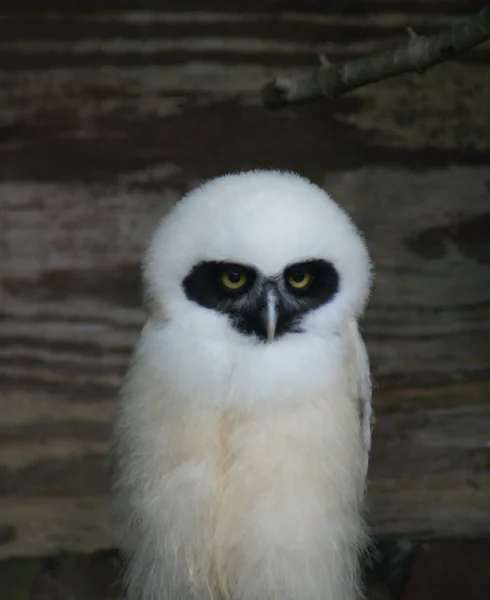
312,6
430,462
107,118
98,124
47,525
163,37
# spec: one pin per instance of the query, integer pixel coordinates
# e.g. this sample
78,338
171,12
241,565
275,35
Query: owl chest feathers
233,491
222,489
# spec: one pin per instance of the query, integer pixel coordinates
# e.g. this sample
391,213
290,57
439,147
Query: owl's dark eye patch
245,295
212,283
313,282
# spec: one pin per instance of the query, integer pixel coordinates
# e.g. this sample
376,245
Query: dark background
109,111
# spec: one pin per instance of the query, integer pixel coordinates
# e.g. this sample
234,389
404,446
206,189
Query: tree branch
418,53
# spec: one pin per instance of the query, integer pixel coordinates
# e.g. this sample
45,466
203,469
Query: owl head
261,256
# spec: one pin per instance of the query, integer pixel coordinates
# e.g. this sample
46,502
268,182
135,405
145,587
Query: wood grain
106,118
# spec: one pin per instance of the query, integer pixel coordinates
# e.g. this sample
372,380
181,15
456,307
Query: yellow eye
233,280
299,280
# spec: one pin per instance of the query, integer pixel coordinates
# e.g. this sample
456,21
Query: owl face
258,305
258,257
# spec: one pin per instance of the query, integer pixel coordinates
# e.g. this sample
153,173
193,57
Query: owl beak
269,314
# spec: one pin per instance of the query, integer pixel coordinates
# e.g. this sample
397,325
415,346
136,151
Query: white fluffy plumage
241,462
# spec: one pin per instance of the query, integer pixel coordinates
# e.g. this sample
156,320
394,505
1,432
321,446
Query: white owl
244,426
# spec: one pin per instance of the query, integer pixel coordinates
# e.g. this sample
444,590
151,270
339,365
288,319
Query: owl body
241,456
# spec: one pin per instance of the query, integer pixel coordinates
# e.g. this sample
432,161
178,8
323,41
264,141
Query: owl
243,430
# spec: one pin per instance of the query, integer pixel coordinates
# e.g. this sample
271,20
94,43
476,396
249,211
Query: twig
418,53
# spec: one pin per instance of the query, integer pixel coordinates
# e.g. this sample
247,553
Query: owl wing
360,382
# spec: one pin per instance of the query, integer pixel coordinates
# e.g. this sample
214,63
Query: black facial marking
248,318
204,284
245,306
323,283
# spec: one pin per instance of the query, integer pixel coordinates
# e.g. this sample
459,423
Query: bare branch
418,53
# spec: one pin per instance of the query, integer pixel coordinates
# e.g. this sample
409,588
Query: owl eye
233,280
299,279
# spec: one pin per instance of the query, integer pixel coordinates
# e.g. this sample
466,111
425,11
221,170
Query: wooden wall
107,116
